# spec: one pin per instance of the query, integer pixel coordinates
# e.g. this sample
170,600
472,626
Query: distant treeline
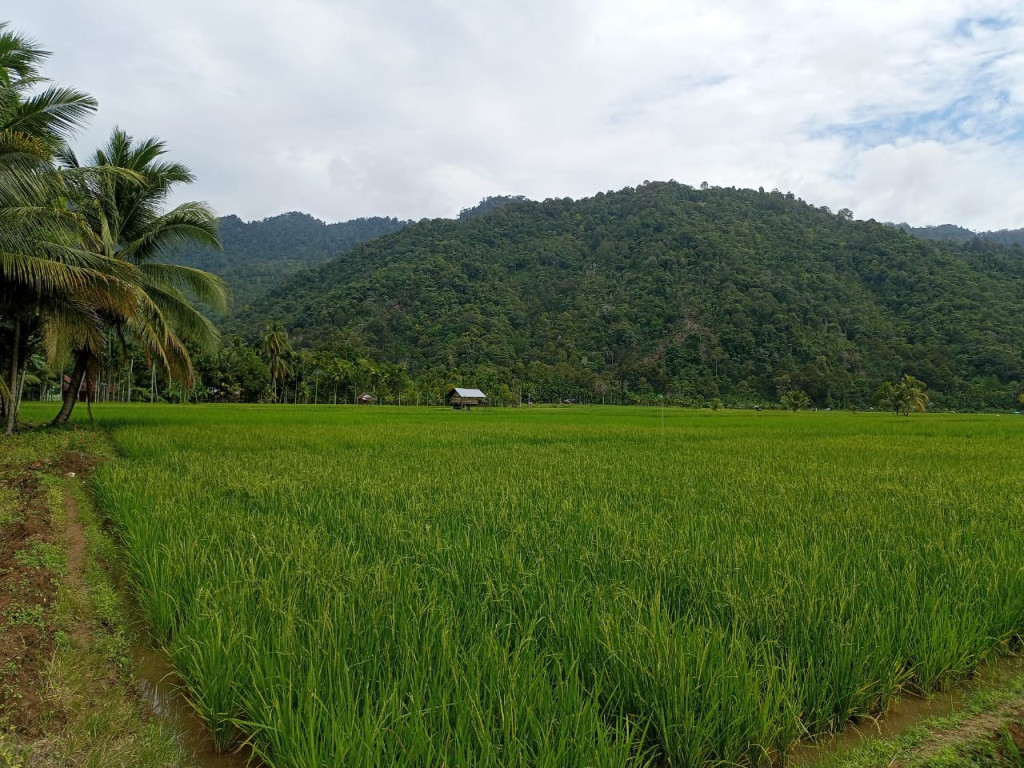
951,232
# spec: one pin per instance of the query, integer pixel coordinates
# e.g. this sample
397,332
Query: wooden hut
463,399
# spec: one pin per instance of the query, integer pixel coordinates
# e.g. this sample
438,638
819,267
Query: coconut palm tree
905,395
276,347
914,397
795,399
52,280
130,225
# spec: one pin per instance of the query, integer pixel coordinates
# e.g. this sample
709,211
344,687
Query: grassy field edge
84,710
985,730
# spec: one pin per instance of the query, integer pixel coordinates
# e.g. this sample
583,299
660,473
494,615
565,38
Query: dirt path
1009,715
28,592
66,696
75,577
76,542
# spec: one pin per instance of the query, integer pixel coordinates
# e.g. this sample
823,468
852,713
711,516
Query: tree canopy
257,255
664,288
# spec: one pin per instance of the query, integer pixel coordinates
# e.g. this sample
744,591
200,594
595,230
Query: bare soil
27,602
28,592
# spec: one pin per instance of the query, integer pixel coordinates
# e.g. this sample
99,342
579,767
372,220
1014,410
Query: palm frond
188,224
20,57
20,145
53,270
53,112
183,320
205,286
70,326
156,336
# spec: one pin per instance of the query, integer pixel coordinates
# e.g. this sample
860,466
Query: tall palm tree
276,347
130,225
52,280
914,397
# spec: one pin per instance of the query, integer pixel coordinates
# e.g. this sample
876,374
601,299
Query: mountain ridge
258,255
958,234
707,293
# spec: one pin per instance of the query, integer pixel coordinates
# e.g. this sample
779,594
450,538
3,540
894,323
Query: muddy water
906,712
160,690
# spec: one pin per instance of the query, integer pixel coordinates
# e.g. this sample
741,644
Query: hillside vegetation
695,294
258,255
957,234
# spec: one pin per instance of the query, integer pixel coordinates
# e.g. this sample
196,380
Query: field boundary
983,731
84,709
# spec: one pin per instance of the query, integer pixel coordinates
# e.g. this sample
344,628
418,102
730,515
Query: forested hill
260,254
957,234
670,290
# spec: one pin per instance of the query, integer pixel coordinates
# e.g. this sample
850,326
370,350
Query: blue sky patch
986,111
967,26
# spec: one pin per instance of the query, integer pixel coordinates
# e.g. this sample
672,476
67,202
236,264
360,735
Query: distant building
464,399
366,399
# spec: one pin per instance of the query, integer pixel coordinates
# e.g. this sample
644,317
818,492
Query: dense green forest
957,234
666,290
258,255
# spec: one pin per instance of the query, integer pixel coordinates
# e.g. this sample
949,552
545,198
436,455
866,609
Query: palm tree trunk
71,396
12,387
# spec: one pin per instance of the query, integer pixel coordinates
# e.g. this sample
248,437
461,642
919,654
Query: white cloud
416,108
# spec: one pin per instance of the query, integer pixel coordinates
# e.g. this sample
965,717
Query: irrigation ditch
162,695
915,728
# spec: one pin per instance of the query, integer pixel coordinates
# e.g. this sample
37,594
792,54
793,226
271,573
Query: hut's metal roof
469,393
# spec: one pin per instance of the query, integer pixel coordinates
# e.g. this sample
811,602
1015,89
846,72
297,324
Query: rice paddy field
563,587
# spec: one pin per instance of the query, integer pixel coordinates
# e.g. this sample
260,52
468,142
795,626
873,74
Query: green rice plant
563,587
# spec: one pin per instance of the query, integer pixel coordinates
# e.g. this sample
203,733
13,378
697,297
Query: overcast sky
898,109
